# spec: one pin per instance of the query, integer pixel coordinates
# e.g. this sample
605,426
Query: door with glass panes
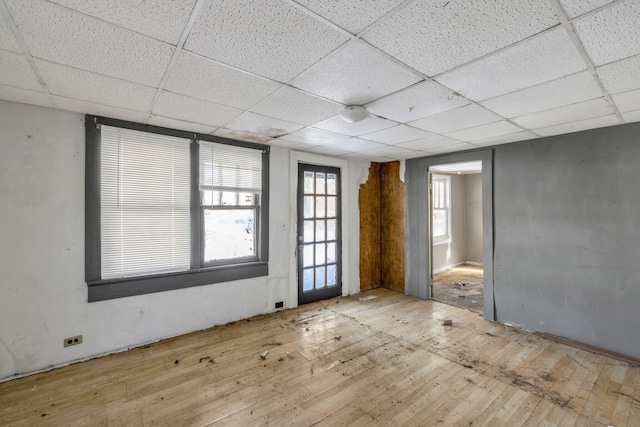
319,233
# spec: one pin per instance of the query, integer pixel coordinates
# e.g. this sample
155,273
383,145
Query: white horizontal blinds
144,194
230,168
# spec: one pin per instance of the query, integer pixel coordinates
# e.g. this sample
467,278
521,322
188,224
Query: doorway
456,234
319,233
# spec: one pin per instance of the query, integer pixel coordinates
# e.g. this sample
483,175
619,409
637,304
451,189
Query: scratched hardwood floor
386,361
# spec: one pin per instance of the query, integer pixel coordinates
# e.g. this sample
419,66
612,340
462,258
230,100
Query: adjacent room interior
295,212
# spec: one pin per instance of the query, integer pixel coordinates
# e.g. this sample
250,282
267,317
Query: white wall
43,296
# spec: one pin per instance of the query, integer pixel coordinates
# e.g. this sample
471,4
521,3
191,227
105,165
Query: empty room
320,212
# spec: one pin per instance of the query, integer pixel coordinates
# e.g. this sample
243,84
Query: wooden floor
386,361
462,286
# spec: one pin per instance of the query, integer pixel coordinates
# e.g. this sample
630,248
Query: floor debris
263,356
447,322
368,298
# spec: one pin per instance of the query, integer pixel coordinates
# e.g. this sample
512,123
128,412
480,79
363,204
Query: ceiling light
354,113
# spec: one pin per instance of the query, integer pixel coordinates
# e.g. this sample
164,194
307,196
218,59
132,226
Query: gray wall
473,217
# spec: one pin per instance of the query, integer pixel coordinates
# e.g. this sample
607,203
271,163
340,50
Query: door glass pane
308,182
331,252
320,230
320,254
308,206
308,231
320,283
331,207
307,281
320,201
331,275
331,229
331,183
308,255
320,185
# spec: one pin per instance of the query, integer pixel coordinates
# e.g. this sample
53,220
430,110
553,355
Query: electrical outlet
279,304
68,342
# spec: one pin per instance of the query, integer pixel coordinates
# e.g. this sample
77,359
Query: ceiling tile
357,144
161,19
628,101
193,110
621,76
7,39
612,33
84,107
397,134
240,135
566,114
269,38
388,151
168,122
451,148
15,71
485,131
505,139
597,122
429,143
316,137
297,106
262,125
631,116
435,36
537,60
420,100
579,7
86,86
292,145
368,125
567,90
330,151
355,74
352,15
205,79
460,118
58,34
25,96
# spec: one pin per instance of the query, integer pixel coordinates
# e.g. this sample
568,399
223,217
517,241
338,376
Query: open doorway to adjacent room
456,230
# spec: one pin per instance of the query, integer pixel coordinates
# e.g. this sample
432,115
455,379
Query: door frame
295,158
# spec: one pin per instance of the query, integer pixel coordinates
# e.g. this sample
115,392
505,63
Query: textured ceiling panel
460,118
628,101
485,131
429,143
578,126
268,38
352,15
355,74
57,34
578,7
582,110
417,101
84,107
397,134
330,151
85,86
205,79
262,125
313,136
368,125
451,148
15,71
292,145
504,139
357,144
297,106
436,35
631,116
161,19
567,90
612,33
7,39
10,93
242,135
621,76
168,122
193,110
534,61
389,151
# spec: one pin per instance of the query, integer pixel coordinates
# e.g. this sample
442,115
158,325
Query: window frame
447,180
200,273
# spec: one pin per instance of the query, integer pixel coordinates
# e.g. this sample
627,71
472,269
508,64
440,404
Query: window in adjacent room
441,199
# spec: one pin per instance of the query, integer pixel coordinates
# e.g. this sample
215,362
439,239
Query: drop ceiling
437,76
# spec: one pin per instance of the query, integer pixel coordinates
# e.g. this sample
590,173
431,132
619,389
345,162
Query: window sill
101,290
442,241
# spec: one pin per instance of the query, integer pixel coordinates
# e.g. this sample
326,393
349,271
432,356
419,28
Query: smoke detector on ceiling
354,113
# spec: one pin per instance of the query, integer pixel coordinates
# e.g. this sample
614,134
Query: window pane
320,253
331,253
331,183
307,281
331,275
229,198
320,283
320,184
439,223
246,199
331,229
320,201
308,182
308,256
308,206
319,230
308,231
228,234
331,207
